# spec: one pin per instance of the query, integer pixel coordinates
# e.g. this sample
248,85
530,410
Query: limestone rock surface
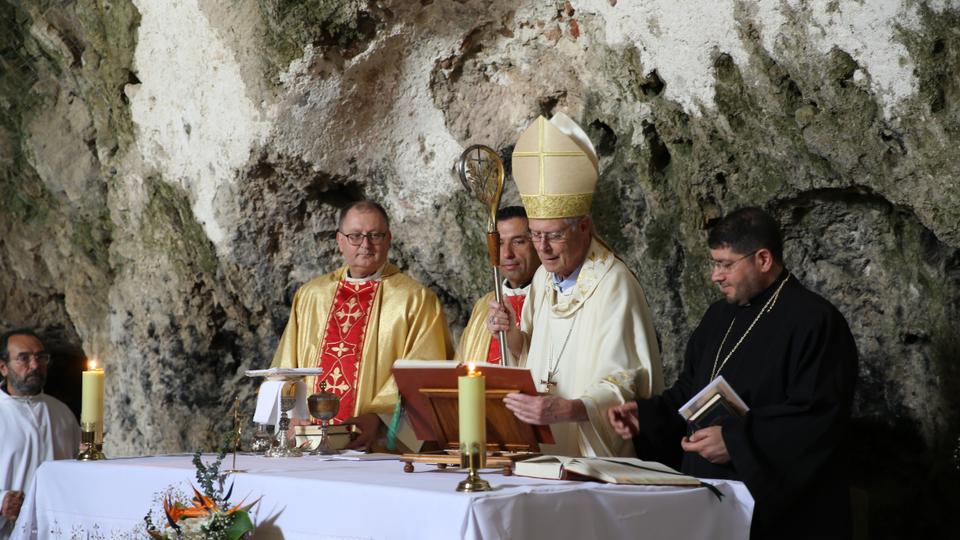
171,172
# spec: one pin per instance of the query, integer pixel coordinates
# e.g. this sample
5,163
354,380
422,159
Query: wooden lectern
429,392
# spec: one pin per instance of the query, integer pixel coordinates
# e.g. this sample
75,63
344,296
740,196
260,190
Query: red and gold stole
342,348
493,354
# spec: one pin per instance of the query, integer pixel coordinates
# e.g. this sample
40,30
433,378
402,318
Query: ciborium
323,406
284,448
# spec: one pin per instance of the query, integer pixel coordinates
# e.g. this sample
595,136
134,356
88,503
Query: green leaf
240,525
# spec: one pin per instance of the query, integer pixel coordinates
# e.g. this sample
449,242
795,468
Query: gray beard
30,385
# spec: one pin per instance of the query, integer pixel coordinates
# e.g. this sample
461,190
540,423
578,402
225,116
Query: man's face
368,257
569,246
518,258
737,274
24,379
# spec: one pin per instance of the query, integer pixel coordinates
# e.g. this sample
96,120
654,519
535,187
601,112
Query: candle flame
472,369
93,365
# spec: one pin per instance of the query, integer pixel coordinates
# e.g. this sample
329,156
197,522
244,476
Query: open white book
613,470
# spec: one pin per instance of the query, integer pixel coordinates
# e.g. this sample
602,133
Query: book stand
433,410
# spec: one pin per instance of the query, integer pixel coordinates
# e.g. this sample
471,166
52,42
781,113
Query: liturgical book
429,391
716,402
613,470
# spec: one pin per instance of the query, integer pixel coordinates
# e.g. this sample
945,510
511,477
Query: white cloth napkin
268,402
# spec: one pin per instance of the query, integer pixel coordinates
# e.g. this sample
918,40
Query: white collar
510,291
376,276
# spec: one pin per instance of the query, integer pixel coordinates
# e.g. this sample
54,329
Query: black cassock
796,371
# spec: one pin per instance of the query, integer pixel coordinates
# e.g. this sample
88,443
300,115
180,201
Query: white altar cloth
309,498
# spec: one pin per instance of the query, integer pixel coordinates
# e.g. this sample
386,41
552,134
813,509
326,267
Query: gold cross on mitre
555,168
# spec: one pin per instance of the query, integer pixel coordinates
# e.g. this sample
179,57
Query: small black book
713,413
712,405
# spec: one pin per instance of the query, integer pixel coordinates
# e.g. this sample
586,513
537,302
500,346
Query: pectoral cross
550,384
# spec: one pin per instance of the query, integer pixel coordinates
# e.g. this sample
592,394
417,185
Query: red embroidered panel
493,355
341,350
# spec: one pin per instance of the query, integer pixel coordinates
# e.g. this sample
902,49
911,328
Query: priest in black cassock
790,355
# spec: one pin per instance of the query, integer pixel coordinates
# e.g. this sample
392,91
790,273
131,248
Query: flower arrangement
208,515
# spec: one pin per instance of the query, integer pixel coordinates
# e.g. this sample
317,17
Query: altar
308,497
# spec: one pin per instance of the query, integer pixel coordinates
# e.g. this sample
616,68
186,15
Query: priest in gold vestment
586,332
518,262
357,320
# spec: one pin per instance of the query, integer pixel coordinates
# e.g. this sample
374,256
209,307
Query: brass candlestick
90,450
472,461
237,435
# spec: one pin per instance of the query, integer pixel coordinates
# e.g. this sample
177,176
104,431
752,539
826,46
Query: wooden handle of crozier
493,248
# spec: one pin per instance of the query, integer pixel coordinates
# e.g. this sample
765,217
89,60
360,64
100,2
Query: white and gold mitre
555,168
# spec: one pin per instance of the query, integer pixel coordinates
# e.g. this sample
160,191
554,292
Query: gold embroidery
336,381
557,206
348,315
341,348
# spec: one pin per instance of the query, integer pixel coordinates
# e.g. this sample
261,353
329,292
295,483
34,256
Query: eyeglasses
555,237
356,239
725,266
42,358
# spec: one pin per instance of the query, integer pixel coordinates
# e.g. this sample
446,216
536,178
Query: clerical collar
763,295
566,284
372,277
522,290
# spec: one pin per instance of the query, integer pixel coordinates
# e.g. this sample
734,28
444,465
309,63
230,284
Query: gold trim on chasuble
558,205
599,261
341,350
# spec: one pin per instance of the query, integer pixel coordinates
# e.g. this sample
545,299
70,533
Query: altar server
34,427
518,262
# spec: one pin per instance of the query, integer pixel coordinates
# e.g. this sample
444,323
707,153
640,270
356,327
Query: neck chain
551,375
768,307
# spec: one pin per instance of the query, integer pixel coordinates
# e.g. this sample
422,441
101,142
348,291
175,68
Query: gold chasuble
477,344
356,329
594,342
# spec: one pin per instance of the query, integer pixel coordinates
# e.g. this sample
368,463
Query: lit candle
471,390
91,412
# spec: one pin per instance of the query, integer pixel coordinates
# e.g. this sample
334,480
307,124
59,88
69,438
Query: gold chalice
323,406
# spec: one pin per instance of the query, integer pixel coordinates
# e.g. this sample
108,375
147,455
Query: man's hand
624,419
369,424
708,442
503,317
542,410
12,501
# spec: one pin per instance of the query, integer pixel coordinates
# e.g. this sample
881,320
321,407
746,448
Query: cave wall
170,173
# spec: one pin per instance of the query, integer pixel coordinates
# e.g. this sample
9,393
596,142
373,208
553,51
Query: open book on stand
613,470
712,405
430,397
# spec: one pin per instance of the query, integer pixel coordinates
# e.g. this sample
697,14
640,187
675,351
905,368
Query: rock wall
170,173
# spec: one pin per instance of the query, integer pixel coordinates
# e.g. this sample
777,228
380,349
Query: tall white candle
471,394
91,411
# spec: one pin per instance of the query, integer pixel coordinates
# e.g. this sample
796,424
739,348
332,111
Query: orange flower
202,506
